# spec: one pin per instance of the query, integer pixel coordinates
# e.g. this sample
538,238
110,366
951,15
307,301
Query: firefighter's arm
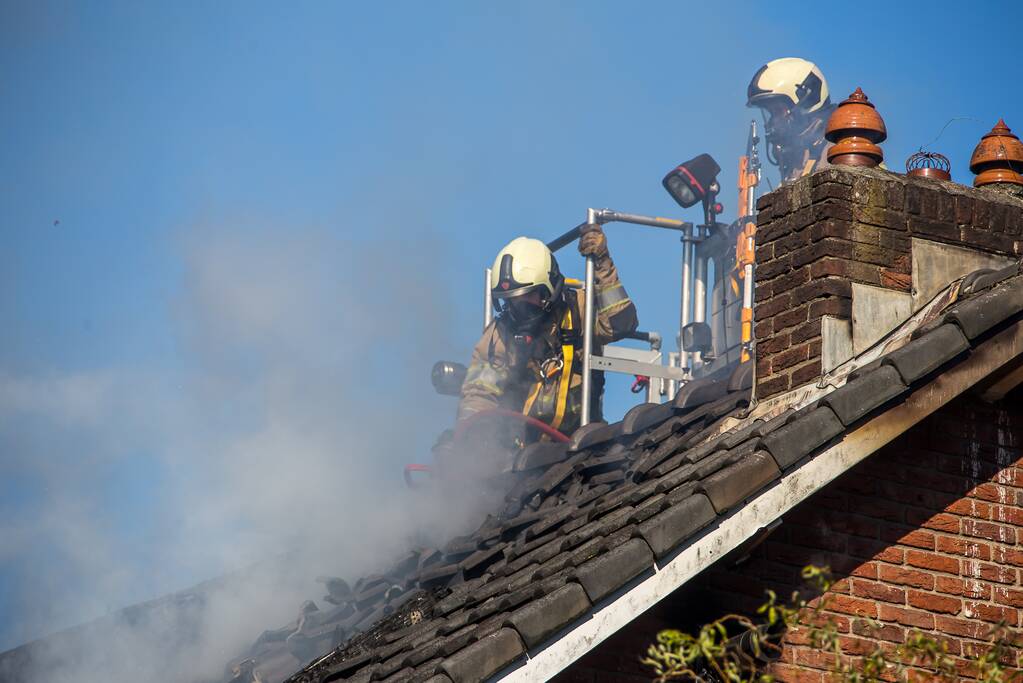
616,314
486,380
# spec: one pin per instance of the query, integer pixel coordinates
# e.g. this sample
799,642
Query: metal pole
609,216
699,292
687,271
584,419
488,304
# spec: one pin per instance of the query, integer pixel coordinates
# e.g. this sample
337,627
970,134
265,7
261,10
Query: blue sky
225,222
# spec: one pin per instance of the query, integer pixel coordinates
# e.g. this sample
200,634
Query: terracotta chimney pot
856,129
998,157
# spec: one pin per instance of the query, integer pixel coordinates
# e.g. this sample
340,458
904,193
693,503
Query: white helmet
525,265
798,80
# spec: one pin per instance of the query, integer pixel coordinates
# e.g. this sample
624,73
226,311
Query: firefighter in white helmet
529,357
793,95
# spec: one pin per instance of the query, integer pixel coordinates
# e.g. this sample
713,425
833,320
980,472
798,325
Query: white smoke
299,390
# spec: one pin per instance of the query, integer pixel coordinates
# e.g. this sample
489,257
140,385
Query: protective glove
592,241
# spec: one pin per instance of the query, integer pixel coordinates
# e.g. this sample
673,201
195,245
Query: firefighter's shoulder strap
568,342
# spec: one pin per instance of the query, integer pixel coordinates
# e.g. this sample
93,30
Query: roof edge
671,572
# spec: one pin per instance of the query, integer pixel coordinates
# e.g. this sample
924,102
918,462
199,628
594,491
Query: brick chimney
848,253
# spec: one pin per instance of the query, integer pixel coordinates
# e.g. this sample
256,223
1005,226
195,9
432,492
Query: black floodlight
447,378
696,337
690,182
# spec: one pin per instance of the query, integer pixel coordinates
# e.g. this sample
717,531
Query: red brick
968,588
856,646
990,613
969,508
878,591
976,650
836,306
1013,476
889,632
911,537
1007,515
867,570
844,604
960,627
934,603
989,530
906,617
772,386
964,547
814,659
791,318
1005,555
840,622
937,522
806,372
789,357
787,673
775,344
1008,596
988,572
932,561
992,493
905,577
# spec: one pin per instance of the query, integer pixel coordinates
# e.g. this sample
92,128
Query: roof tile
668,529
485,657
541,619
927,353
610,571
978,314
864,394
736,482
801,436
700,391
646,415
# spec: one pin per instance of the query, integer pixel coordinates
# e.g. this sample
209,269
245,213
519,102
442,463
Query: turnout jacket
529,375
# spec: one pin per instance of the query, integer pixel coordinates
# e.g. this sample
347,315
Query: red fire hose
545,428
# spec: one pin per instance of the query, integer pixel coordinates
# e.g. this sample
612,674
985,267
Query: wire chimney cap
998,157
929,165
856,128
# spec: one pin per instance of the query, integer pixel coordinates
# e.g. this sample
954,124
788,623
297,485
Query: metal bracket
632,367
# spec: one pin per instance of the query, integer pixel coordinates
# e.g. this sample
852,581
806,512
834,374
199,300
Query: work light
690,182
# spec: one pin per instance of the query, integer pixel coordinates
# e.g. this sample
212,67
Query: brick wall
925,534
842,225
922,535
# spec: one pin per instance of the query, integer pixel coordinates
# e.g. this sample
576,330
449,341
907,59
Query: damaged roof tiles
589,519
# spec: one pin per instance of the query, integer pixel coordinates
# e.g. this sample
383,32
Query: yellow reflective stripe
611,296
492,388
614,305
567,351
532,398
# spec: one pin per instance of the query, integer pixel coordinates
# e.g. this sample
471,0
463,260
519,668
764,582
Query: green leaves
735,650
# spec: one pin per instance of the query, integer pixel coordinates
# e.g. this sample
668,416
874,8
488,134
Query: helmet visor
517,292
525,311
